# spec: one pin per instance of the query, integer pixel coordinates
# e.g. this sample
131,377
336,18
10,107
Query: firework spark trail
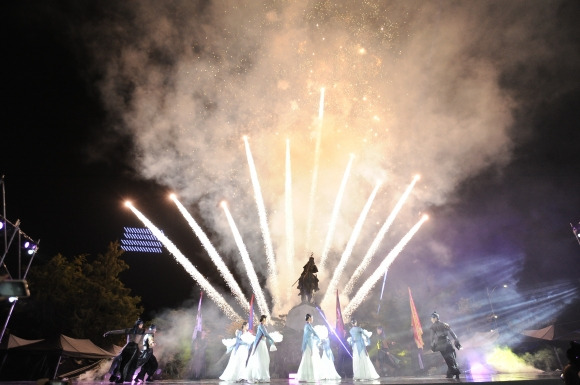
383,267
380,235
272,275
289,216
314,184
213,254
334,216
195,274
349,247
260,298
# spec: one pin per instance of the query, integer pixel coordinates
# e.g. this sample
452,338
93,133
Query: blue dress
362,366
309,369
259,362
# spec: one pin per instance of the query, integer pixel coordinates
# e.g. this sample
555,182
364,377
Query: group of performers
136,354
250,359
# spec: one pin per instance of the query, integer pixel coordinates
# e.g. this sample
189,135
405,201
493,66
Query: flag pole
417,330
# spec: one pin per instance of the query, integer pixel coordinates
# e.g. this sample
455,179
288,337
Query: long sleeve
265,333
120,331
308,335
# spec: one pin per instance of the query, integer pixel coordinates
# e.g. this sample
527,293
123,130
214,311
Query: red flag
198,318
251,316
339,322
416,323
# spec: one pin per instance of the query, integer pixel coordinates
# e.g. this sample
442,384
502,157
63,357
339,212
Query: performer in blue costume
362,366
327,370
258,363
236,368
309,369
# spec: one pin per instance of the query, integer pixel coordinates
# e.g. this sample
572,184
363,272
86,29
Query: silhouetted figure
440,342
571,373
127,363
199,345
147,361
308,281
344,359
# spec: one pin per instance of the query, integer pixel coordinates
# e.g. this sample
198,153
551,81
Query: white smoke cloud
411,87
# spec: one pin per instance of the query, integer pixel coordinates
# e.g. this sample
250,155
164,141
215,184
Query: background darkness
67,172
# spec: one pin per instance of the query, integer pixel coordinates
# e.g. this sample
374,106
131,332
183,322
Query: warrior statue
308,282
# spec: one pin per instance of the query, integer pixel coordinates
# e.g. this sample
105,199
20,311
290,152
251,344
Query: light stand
576,231
7,244
489,294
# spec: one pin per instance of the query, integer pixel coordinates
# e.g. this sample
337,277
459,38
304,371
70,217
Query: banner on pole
416,323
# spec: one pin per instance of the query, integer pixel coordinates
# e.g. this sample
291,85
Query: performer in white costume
258,363
239,348
309,368
362,366
327,369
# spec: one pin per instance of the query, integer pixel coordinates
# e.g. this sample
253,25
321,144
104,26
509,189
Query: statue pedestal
297,316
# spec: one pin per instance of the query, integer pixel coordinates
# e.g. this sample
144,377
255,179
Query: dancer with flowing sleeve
327,368
258,363
239,347
362,366
309,369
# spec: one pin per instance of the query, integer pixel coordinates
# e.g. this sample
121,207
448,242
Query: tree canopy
81,297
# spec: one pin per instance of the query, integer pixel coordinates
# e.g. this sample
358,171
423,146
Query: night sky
104,102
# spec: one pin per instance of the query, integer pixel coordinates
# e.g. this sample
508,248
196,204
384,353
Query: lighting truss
141,240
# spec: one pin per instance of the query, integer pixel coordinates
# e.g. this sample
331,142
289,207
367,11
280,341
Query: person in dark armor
441,335
127,360
381,354
147,361
308,281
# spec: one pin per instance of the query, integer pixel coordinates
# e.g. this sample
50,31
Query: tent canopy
22,359
13,342
71,347
553,333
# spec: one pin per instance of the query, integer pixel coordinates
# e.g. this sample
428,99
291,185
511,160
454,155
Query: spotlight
30,247
1,225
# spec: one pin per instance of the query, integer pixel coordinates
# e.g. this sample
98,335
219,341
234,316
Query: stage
505,379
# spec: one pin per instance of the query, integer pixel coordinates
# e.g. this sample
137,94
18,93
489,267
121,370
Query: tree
81,297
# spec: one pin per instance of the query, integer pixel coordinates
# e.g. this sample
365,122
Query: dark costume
571,373
197,364
308,281
127,360
441,342
344,359
147,360
381,354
